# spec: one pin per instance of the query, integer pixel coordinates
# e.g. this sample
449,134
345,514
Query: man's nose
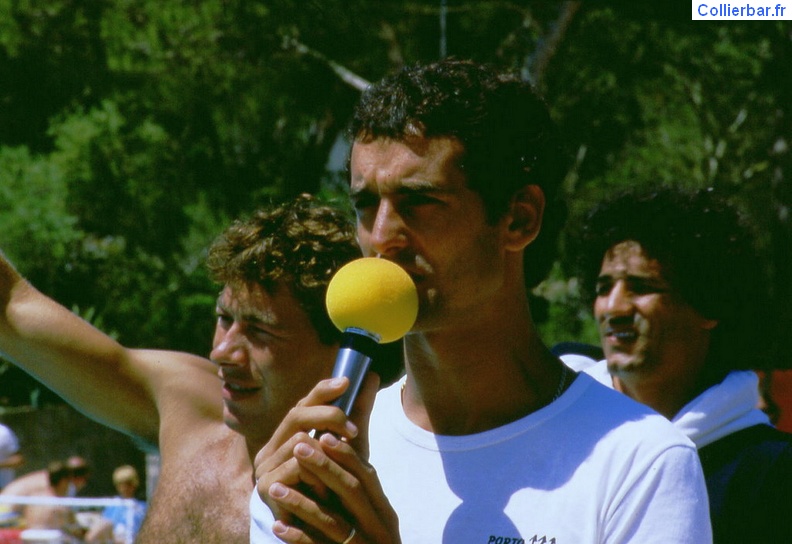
230,348
618,302
388,232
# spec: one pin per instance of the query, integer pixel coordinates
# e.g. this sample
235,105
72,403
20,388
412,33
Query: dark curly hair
300,244
708,255
505,128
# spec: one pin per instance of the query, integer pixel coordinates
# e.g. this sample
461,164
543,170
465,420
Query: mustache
619,320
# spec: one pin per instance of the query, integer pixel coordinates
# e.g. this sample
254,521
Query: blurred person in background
79,472
53,516
10,456
32,483
56,483
678,295
120,524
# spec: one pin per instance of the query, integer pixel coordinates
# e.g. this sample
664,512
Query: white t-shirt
593,467
722,409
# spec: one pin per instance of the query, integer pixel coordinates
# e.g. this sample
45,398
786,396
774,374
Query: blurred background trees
132,132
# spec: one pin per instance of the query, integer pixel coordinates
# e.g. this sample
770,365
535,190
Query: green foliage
132,132
121,176
567,315
37,229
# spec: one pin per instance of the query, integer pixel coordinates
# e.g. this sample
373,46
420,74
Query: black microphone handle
354,358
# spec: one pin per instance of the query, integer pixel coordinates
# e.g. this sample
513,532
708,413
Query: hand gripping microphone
371,300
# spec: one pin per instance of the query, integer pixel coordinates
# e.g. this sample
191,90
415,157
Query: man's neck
665,399
467,380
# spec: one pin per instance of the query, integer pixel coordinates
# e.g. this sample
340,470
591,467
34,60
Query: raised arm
119,387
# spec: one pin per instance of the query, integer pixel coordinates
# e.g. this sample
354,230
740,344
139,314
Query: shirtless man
54,481
39,482
32,483
272,342
50,516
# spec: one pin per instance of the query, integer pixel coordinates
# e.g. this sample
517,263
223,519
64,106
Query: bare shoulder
187,392
28,485
168,372
172,364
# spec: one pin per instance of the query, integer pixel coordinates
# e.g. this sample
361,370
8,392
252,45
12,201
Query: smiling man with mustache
678,297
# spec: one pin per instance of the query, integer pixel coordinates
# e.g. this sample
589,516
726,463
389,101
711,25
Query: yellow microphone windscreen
375,295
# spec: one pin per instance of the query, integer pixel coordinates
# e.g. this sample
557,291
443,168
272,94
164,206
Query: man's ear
524,217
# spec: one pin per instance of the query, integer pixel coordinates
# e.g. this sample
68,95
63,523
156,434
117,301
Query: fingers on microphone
364,499
313,517
296,426
325,392
294,534
354,488
336,477
291,473
277,452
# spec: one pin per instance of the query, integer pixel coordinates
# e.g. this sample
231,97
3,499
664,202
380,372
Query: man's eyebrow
420,188
413,188
628,277
646,279
251,316
633,279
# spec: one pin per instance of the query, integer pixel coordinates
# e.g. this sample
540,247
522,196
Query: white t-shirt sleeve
667,503
261,521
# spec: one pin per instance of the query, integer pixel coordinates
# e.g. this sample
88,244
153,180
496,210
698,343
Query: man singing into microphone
455,171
